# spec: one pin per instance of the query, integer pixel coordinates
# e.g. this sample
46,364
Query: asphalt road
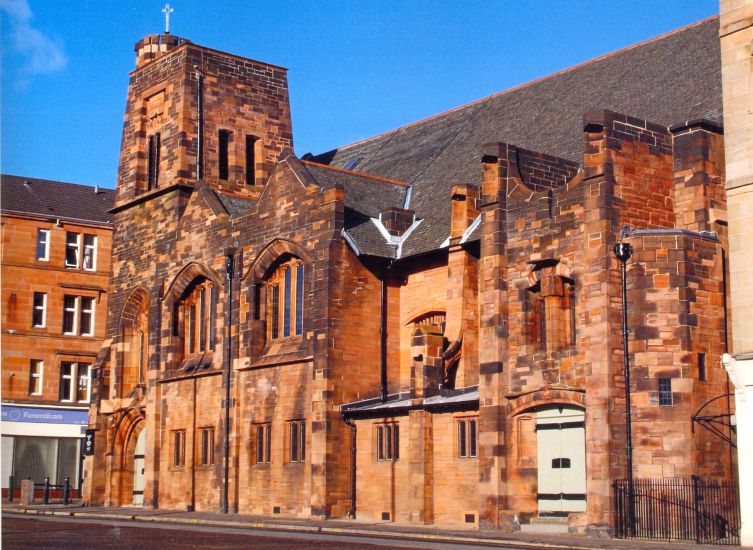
60,533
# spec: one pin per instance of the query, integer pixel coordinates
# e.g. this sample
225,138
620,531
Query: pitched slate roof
235,206
666,80
55,199
365,197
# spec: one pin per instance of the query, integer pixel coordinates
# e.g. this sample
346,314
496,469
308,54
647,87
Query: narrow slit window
462,439
153,162
299,299
142,353
472,444
251,159
192,328
702,367
286,303
275,313
223,153
202,319
212,318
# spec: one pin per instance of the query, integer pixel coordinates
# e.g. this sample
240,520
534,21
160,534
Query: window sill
282,351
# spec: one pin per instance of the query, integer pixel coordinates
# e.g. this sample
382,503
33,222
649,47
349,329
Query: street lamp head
623,251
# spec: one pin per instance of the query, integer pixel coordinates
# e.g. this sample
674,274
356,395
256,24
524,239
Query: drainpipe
229,271
726,350
383,332
353,454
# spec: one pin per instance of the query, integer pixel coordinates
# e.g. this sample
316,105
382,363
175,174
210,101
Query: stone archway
125,438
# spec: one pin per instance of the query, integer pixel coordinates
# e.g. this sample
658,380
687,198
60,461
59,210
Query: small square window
665,392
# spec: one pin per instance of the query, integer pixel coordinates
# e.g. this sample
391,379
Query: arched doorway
561,460
138,469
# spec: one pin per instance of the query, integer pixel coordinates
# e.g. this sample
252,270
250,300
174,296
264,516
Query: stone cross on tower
167,10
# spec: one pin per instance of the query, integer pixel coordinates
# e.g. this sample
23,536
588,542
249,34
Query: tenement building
55,267
424,326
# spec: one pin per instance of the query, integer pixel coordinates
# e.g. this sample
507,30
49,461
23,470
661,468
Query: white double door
138,469
561,451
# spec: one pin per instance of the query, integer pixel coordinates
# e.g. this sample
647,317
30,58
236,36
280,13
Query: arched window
198,309
285,299
135,338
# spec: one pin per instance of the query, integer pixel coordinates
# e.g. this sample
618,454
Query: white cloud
42,55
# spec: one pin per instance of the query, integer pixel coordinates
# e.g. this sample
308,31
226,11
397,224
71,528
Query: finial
167,10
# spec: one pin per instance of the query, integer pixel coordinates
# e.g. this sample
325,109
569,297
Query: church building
424,326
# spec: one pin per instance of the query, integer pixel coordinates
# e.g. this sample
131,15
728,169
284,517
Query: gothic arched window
285,299
198,311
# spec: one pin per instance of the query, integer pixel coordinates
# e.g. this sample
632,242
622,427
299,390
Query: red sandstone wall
22,275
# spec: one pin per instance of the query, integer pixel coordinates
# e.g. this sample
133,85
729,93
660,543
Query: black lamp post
623,252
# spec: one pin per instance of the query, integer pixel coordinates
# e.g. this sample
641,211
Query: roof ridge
31,180
531,82
353,172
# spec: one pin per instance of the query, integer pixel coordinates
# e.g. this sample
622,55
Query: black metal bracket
716,423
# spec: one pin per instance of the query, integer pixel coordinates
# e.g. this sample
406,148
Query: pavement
392,530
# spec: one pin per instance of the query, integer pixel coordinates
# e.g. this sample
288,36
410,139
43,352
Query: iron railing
706,511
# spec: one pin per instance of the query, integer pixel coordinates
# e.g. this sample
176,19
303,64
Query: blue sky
356,68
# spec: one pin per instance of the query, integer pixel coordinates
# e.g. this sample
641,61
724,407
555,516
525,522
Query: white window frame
84,369
75,314
93,248
77,249
43,309
36,377
46,241
82,312
72,378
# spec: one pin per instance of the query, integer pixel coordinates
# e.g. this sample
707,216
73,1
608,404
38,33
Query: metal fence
678,509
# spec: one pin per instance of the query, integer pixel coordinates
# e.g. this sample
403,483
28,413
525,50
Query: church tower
197,120
197,114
